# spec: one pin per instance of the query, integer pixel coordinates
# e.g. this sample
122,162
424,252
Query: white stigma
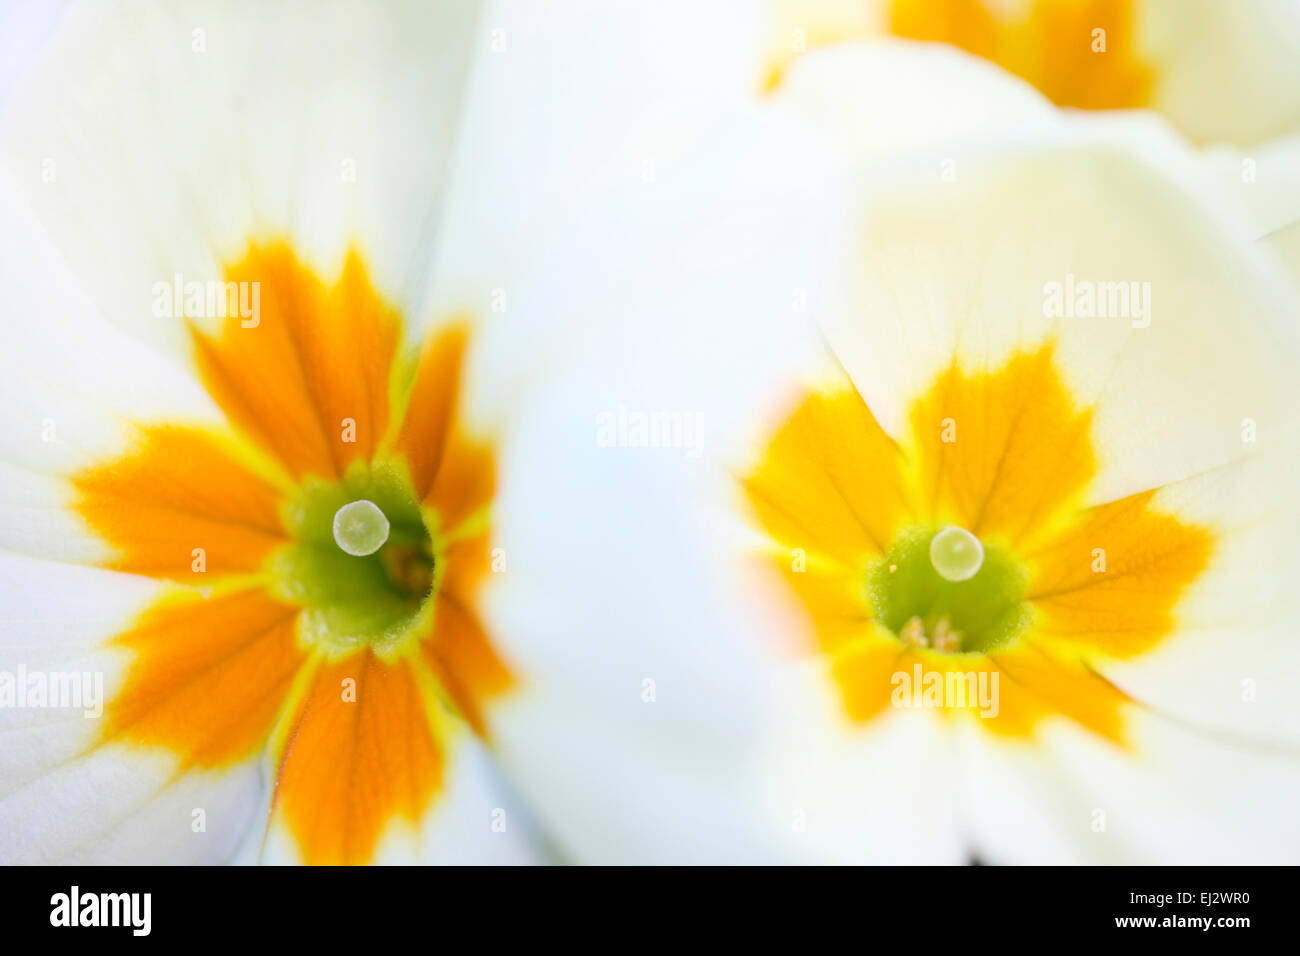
956,554
360,528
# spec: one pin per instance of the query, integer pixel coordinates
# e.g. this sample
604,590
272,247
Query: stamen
956,554
945,638
360,528
913,633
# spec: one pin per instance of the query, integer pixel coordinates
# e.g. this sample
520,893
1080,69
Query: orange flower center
350,665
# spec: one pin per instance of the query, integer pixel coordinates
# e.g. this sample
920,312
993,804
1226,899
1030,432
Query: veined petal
369,768
180,504
810,487
1122,609
1223,668
452,472
68,794
358,750
430,413
474,820
309,377
984,267
1031,458
286,120
114,805
209,678
73,385
459,650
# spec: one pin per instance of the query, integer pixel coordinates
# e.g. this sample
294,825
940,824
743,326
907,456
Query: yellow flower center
966,547
977,606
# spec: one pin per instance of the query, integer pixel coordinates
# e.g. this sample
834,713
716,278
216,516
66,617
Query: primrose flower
1221,73
1015,537
285,281
1086,367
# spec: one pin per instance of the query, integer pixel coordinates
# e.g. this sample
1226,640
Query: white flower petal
160,142
569,105
1225,668
883,99
1223,72
65,796
847,794
1285,242
118,807
71,385
621,609
964,268
1181,797
1264,181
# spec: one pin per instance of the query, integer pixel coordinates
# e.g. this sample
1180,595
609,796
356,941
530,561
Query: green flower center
937,589
363,561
